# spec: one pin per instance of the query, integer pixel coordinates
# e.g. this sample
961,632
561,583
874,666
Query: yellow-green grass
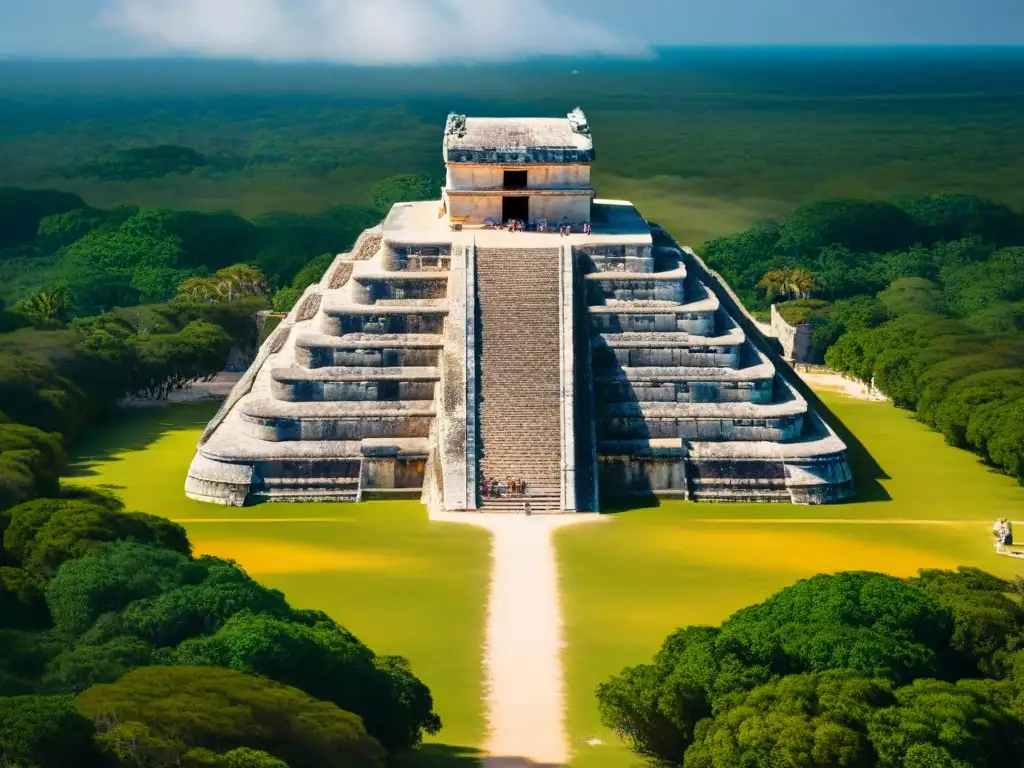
629,581
403,584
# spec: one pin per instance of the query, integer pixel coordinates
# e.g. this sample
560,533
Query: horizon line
653,49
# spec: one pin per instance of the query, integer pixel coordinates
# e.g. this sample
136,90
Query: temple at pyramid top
525,169
519,140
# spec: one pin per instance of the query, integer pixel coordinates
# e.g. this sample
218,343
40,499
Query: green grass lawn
629,581
403,584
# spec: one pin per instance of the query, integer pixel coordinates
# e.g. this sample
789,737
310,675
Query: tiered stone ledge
667,349
617,316
343,373
353,384
239,447
375,289
280,420
752,382
319,350
332,308
779,408
677,273
731,338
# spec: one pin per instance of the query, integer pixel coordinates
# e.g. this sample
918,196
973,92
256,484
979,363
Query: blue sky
419,31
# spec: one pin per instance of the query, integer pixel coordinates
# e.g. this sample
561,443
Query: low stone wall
635,258
795,339
639,427
312,355
621,390
567,334
606,356
455,429
351,427
626,475
637,321
341,323
601,291
312,390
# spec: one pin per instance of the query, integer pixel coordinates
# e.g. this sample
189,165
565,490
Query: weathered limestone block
218,482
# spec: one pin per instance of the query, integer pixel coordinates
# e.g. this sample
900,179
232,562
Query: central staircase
520,374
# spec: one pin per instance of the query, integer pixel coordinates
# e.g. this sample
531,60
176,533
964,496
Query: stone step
541,504
756,495
520,366
305,494
301,483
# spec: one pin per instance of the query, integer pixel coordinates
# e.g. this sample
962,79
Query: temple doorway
515,208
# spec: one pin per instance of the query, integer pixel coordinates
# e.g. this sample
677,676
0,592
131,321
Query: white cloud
365,31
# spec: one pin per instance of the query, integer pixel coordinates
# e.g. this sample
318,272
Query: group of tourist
517,225
495,489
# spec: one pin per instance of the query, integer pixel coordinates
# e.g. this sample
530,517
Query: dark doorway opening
515,179
515,208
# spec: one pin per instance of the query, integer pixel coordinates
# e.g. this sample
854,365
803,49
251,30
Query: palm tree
788,283
52,305
801,282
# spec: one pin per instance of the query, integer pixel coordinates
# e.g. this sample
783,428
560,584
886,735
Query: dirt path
217,388
833,382
522,655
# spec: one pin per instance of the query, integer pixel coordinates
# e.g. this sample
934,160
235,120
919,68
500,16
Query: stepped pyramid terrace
579,355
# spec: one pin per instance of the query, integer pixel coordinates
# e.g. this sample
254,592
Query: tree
790,283
860,225
43,534
286,298
21,210
50,306
62,229
108,580
163,716
194,610
796,680
243,757
79,667
328,662
45,732
975,285
169,361
37,394
655,707
24,653
800,721
999,317
944,217
313,272
234,283
874,624
30,463
913,296
965,721
985,620
404,188
111,266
